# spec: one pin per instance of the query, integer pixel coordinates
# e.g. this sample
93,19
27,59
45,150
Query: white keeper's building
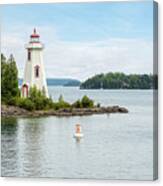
34,73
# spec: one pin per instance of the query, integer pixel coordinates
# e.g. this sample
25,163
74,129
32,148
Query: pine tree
9,78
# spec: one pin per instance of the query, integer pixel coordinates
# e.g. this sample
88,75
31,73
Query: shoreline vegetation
37,104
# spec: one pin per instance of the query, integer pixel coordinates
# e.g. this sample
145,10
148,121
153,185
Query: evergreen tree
9,78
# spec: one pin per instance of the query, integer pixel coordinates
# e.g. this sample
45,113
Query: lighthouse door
25,90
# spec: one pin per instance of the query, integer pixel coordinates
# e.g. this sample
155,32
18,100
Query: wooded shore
13,111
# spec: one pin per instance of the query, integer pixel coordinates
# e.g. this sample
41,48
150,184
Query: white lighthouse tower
34,74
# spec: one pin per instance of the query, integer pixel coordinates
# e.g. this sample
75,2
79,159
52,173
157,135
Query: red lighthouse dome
34,35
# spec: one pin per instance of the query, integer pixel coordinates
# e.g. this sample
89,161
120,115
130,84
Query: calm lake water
115,146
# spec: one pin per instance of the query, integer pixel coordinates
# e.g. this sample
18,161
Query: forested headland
120,80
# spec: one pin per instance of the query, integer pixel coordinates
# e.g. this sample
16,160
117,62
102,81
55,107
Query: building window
37,71
29,55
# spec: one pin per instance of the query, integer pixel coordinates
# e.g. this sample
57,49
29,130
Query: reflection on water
115,146
31,131
9,147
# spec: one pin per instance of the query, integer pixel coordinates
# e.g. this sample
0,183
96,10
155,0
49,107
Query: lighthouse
34,73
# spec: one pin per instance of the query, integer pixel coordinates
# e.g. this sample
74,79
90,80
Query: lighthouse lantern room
34,73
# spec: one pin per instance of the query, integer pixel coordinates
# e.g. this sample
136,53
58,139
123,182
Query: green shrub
87,102
61,104
77,104
48,103
56,106
40,101
26,103
11,101
64,104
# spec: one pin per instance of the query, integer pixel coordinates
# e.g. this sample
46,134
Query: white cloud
82,59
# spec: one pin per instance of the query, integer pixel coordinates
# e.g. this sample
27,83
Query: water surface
115,146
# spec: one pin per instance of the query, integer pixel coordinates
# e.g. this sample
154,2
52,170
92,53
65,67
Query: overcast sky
82,39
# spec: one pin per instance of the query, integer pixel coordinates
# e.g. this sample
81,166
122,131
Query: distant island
59,82
119,80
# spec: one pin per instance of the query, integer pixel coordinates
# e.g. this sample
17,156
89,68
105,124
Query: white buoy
78,133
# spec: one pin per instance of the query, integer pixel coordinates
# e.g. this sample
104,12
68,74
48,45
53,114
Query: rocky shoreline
12,111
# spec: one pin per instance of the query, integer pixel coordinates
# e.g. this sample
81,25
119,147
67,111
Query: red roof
34,35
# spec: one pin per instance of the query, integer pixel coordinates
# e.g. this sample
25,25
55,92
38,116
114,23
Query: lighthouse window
37,71
29,55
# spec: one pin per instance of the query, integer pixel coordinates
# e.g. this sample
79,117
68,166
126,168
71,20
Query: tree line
120,80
